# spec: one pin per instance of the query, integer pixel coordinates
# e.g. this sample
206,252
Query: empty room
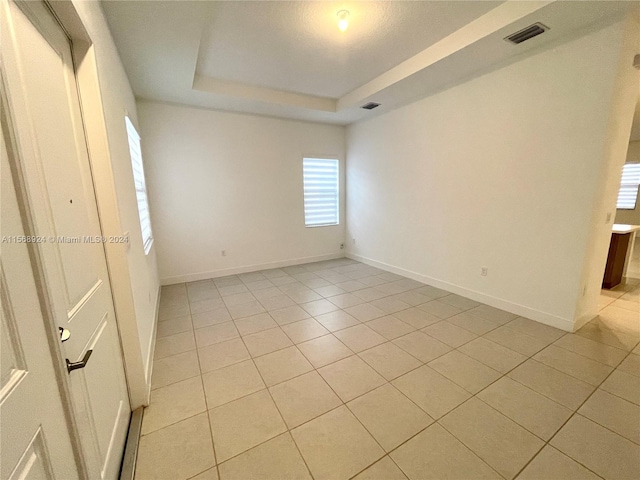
330,240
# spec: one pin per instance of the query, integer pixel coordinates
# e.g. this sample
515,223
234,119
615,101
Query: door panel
12,363
34,438
63,174
35,463
60,185
48,77
94,384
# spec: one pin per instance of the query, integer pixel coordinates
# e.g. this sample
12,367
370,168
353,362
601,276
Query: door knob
71,366
64,334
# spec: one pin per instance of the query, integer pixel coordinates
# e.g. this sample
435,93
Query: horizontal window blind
139,182
321,191
628,194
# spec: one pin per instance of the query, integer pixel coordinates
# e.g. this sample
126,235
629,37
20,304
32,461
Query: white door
34,438
44,101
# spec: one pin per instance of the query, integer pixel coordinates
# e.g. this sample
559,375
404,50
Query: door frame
83,49
90,99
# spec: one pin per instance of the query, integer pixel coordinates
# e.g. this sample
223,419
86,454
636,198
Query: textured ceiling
297,46
288,59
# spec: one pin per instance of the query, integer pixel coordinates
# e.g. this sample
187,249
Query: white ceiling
297,47
288,59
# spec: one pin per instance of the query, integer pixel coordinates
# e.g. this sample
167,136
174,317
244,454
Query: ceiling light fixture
343,20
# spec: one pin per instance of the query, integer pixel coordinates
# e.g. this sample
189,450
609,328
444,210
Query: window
141,189
629,186
321,200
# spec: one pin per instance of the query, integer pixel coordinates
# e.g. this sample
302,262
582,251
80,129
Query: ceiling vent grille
527,33
370,105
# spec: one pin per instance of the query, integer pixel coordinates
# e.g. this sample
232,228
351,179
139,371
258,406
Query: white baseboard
521,310
192,277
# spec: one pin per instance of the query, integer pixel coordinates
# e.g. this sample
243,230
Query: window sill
323,225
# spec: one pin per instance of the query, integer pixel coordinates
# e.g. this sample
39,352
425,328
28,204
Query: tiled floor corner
339,370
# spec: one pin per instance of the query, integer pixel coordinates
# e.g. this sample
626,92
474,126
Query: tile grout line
390,383
354,354
288,431
335,408
584,356
294,377
575,412
206,403
342,404
392,341
203,393
426,363
474,395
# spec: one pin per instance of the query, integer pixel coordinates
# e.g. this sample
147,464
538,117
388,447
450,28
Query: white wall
224,181
502,171
619,118
134,275
631,217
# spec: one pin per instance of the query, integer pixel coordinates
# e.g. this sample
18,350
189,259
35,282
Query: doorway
618,301
626,231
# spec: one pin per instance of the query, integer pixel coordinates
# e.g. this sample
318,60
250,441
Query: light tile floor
338,370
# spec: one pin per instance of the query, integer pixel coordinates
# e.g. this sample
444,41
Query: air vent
527,33
370,105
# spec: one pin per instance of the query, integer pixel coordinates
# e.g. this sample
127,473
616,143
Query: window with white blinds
628,194
321,192
141,189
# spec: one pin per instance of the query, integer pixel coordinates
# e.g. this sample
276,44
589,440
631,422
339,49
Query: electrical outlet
342,246
484,271
223,253
353,240
608,218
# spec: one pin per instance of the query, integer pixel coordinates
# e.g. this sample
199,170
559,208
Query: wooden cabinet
616,259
